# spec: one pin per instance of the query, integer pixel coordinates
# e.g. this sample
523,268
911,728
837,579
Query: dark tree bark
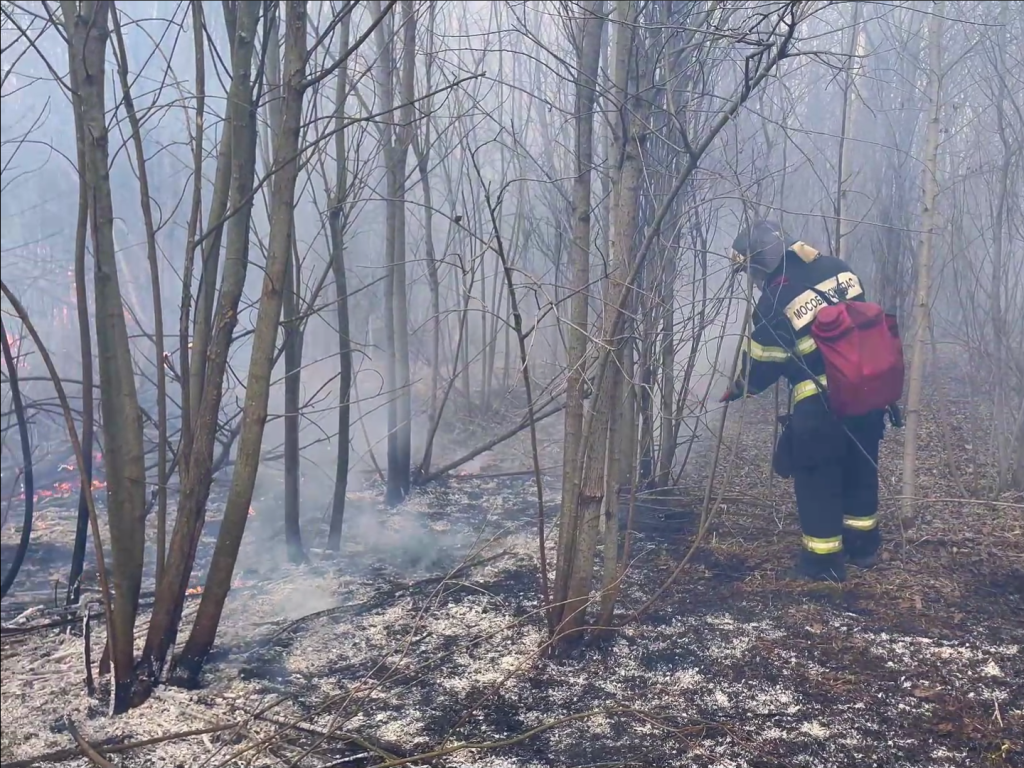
190,662
197,476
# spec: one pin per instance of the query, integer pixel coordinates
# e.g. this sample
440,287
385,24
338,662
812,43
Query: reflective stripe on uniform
807,388
827,546
806,345
766,354
861,523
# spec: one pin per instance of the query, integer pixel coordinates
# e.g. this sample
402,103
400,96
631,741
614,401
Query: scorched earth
425,646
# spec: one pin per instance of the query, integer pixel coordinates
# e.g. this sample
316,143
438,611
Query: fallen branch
374,745
511,473
71,615
111,747
508,435
87,749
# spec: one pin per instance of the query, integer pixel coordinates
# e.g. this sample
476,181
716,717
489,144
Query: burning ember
194,590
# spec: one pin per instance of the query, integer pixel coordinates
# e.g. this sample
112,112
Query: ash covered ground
405,655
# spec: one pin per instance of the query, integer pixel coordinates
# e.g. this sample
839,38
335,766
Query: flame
252,512
63,490
199,588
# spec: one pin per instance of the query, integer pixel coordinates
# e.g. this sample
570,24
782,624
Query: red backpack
860,344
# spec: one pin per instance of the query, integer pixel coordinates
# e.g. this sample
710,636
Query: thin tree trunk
293,338
667,453
395,312
524,361
629,140
407,114
422,151
1004,438
599,499
337,231
257,393
158,305
1017,476
924,258
85,342
170,593
848,112
629,426
290,320
184,346
87,32
17,405
568,616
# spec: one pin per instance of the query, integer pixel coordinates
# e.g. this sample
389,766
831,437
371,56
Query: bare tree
286,171
197,474
848,114
337,221
576,536
87,27
397,141
923,261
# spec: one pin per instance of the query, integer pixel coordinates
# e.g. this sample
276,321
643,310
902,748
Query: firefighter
833,462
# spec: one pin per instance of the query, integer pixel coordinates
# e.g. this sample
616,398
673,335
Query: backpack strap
824,296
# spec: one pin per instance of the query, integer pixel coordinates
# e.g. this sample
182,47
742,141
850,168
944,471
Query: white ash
463,646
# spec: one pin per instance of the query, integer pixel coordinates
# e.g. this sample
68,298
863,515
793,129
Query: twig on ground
111,747
87,749
375,746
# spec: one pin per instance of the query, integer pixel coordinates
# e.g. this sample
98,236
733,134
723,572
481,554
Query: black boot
813,567
862,547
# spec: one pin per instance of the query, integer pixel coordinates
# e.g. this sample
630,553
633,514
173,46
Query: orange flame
63,489
252,512
199,589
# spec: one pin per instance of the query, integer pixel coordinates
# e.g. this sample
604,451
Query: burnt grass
917,662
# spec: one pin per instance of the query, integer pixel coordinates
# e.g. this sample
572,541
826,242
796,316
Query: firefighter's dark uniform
833,463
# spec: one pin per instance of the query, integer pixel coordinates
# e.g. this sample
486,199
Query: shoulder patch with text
804,308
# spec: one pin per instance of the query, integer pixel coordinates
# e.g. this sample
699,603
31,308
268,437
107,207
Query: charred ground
425,636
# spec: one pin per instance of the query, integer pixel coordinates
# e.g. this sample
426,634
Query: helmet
760,247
